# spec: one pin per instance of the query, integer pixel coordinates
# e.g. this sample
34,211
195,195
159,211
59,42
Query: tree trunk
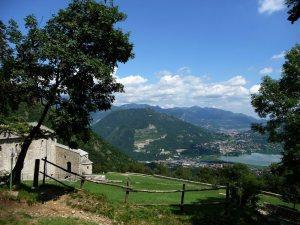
16,173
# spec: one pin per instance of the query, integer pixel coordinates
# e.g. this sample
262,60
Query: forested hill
146,134
104,156
210,118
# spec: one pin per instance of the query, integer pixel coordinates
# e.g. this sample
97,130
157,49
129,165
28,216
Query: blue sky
206,53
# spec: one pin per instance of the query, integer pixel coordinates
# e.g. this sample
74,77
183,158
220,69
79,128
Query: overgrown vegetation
66,66
109,202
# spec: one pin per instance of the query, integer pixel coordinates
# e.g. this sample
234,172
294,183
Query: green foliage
104,156
272,179
294,10
162,170
216,215
66,66
183,173
107,158
278,100
244,185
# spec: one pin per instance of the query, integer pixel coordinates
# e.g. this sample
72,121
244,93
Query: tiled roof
14,136
78,151
85,161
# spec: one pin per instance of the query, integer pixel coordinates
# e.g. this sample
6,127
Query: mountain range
210,118
146,134
150,132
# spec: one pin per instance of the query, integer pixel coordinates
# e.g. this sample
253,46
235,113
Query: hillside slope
210,118
146,134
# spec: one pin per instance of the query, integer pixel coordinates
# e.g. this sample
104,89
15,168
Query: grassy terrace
116,194
108,201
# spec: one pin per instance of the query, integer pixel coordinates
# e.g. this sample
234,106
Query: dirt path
54,208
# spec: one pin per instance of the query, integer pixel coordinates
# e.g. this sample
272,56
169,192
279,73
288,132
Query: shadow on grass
45,192
283,213
215,211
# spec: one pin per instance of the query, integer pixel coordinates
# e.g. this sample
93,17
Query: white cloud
132,80
270,6
184,70
266,70
236,81
187,90
278,56
254,89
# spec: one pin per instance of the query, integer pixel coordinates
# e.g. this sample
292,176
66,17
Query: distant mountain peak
211,118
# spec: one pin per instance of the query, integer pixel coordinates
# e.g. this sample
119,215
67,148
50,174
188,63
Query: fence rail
127,189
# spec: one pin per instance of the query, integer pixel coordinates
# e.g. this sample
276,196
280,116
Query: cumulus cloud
163,73
184,70
266,70
278,56
236,81
270,6
254,89
174,89
132,80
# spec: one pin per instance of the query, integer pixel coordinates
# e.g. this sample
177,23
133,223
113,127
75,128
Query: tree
244,185
279,102
66,66
294,10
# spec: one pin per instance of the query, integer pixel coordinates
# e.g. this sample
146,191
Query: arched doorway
69,166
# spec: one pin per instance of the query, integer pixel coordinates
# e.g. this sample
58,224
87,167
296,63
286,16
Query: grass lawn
22,219
115,194
109,202
277,201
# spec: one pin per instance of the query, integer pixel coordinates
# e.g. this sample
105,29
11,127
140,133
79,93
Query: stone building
76,160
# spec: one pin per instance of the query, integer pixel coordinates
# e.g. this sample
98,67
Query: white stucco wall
37,150
56,153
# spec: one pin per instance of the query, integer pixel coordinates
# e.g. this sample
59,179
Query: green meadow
148,182
117,194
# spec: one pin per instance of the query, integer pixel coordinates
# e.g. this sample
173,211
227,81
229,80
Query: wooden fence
127,189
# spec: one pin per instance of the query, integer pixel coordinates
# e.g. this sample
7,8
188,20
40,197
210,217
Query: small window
65,157
87,167
0,148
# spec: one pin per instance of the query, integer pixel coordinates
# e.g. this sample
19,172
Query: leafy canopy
66,66
294,10
279,102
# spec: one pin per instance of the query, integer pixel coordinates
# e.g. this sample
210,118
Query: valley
150,133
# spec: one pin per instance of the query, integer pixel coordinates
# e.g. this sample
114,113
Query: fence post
227,192
182,198
82,182
126,191
36,174
44,175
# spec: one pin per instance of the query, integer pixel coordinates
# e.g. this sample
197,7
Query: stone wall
63,157
86,169
37,150
56,153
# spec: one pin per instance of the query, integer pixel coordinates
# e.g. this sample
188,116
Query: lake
255,159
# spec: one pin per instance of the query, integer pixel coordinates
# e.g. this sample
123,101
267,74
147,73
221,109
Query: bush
244,185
